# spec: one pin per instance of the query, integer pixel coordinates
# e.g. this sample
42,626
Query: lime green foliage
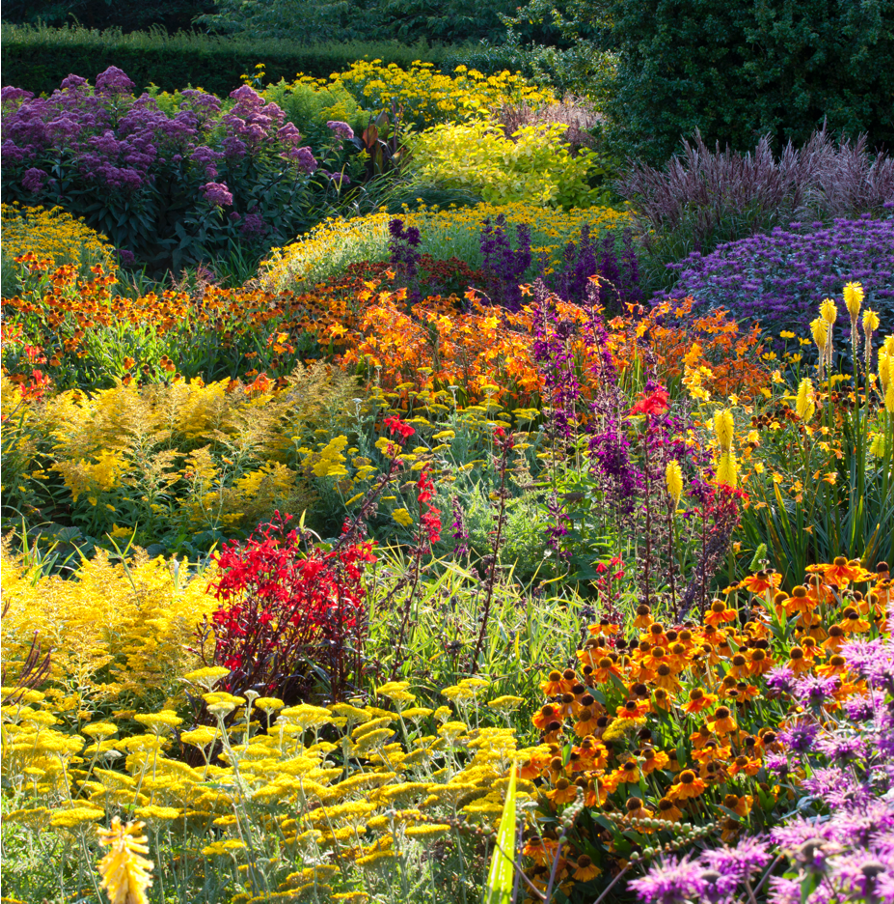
502,869
50,234
532,166
336,243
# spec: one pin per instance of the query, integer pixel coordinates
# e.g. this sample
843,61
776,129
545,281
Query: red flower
656,403
396,426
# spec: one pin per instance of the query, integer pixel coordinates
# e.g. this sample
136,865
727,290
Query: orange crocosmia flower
719,614
699,700
688,785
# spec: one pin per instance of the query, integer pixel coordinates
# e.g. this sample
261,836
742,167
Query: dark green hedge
38,59
737,70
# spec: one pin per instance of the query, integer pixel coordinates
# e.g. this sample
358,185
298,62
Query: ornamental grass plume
124,871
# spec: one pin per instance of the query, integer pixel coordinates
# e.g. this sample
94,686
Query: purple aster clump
779,280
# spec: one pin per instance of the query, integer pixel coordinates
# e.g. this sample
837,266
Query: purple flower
217,193
289,134
306,160
813,690
749,856
780,680
126,257
34,179
113,81
253,226
799,737
671,882
340,129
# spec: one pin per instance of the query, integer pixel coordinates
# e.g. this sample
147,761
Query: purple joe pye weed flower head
217,194
340,129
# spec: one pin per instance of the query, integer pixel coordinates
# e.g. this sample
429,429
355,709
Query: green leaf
502,867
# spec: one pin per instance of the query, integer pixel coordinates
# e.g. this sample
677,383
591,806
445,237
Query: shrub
739,71
703,197
167,186
533,166
778,280
285,613
42,57
51,235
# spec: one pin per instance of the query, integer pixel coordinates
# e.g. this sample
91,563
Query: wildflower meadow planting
414,492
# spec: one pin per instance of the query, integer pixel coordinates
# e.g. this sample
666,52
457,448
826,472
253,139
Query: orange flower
852,623
798,662
688,785
837,665
750,766
558,682
723,722
668,810
605,627
841,572
633,709
800,602
837,636
699,700
585,869
563,793
661,699
701,737
636,810
643,616
652,760
761,582
665,678
761,662
627,772
718,614
586,723
605,667
547,714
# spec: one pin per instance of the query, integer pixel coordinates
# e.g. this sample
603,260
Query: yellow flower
870,322
74,816
806,402
727,471
402,517
853,298
674,479
829,311
724,426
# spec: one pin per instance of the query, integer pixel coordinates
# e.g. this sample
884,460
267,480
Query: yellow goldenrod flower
124,871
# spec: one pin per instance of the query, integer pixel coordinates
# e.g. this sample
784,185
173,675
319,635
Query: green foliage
41,57
124,14
533,166
738,71
311,21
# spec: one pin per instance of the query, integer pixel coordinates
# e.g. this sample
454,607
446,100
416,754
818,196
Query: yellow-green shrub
114,634
532,166
50,234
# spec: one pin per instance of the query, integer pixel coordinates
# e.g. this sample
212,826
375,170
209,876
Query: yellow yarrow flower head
124,871
674,478
806,401
724,427
853,298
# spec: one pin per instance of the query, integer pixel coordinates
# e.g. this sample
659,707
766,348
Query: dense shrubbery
736,72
